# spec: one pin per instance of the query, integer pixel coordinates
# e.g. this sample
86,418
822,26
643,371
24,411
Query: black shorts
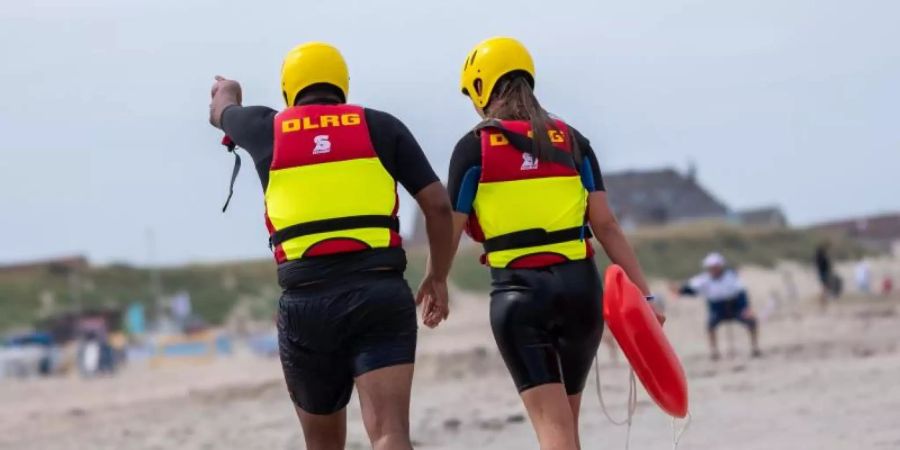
548,323
729,310
328,334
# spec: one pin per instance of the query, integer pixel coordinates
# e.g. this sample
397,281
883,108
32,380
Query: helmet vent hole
477,84
472,58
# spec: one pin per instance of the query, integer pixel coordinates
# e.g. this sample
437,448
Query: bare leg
729,338
575,406
384,399
323,432
754,339
551,416
753,328
713,344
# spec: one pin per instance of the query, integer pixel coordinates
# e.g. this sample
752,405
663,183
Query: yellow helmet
313,63
488,62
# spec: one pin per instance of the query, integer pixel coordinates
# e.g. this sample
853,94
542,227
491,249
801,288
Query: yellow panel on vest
330,190
552,203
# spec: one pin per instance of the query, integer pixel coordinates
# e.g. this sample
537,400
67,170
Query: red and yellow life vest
528,213
328,192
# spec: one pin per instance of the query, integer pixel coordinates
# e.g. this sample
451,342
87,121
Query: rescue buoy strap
535,236
524,144
334,224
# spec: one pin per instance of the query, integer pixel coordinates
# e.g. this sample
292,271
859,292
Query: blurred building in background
768,216
63,265
879,232
660,197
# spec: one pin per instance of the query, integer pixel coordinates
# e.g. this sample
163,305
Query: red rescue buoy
640,336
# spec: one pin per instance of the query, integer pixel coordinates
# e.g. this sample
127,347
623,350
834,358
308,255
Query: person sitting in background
726,298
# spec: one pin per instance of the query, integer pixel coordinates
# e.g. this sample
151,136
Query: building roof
660,196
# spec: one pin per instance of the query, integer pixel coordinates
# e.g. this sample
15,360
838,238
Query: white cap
713,259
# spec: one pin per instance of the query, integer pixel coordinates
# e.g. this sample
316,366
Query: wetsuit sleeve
591,177
253,129
464,173
399,151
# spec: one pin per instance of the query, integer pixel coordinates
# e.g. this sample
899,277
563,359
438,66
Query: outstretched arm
224,93
687,290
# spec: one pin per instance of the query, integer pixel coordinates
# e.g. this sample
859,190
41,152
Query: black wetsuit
547,322
341,315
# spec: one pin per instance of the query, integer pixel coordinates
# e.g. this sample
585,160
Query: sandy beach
828,380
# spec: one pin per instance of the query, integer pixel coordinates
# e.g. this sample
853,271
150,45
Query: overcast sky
103,115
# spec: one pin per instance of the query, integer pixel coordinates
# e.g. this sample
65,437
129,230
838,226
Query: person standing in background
830,283
863,277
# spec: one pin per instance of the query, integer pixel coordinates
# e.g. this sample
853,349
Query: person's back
329,172
343,164
528,187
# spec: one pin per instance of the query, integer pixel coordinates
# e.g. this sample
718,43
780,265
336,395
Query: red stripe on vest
315,134
336,245
506,163
280,256
473,228
537,260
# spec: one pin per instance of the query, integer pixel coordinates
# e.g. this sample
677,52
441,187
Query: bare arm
431,314
459,224
224,94
608,232
435,205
